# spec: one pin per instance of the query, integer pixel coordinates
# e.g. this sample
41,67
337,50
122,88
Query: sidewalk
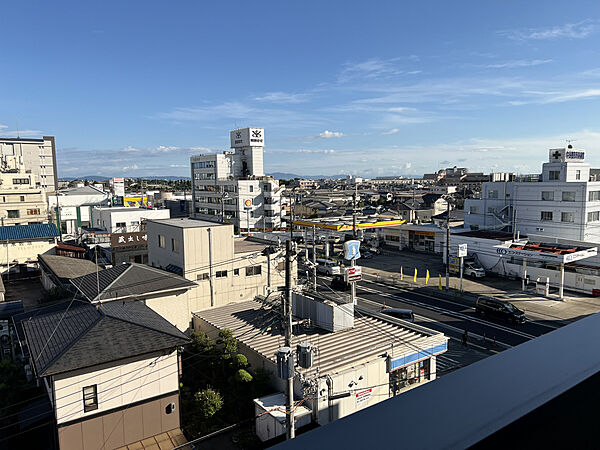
387,269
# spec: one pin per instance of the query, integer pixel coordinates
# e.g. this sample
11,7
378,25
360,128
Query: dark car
339,283
399,313
499,309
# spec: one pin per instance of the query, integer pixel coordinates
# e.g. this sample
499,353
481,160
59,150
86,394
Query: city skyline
398,89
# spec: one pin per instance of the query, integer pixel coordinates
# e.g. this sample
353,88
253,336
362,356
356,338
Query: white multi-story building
233,185
125,219
35,156
564,204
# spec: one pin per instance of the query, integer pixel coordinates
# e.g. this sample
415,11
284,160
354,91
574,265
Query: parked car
399,313
338,283
472,269
366,255
496,308
328,267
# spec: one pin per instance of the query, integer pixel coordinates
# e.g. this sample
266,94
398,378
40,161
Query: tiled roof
83,336
24,232
128,280
65,267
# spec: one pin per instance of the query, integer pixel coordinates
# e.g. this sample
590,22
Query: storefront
409,376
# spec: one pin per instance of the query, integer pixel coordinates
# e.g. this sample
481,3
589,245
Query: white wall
118,384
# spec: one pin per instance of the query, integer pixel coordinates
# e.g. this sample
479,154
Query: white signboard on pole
353,274
462,250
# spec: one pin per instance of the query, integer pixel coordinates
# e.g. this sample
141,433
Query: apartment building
35,156
563,204
22,199
232,186
124,219
226,269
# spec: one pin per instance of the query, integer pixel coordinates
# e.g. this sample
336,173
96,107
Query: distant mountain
101,178
288,176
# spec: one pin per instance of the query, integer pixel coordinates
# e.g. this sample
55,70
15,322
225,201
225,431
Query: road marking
448,312
449,327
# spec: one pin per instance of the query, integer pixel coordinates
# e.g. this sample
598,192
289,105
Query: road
446,316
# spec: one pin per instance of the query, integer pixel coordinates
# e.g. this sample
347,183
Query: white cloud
557,97
18,133
519,63
283,97
577,30
392,131
177,165
330,134
132,167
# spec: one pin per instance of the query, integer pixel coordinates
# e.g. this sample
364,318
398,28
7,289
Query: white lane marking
449,313
448,327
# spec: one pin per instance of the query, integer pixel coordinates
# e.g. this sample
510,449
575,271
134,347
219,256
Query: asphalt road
446,316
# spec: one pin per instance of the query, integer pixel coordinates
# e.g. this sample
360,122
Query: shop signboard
118,240
353,274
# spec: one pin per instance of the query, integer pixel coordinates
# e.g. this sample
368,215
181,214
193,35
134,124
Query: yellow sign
136,201
248,203
346,225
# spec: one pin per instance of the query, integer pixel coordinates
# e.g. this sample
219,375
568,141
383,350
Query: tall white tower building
233,187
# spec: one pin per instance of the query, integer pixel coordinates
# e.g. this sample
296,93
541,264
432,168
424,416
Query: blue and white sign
462,250
351,250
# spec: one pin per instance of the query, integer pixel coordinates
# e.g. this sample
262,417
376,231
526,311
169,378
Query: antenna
569,141
18,134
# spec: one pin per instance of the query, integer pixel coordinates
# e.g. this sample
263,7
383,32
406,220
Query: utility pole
448,245
314,258
353,261
514,224
289,418
210,268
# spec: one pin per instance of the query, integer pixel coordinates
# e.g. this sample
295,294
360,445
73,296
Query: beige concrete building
226,269
35,156
22,199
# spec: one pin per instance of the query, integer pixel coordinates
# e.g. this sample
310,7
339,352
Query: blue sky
371,88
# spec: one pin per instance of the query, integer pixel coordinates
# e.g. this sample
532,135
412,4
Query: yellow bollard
440,285
415,278
427,277
401,274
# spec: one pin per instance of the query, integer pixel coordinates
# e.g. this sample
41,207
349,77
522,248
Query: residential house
20,245
111,371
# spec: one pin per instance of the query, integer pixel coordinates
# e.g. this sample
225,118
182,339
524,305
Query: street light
224,195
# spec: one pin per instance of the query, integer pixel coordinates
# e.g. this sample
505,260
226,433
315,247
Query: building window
253,270
473,210
567,217
33,212
594,216
492,194
236,272
554,175
578,174
13,213
251,188
568,196
548,196
546,215
175,245
392,238
161,241
202,276
221,274
22,198
90,398
594,196
121,224
20,180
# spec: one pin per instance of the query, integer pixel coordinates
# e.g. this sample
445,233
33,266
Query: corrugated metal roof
371,336
24,232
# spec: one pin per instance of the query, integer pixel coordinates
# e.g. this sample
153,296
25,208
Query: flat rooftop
256,325
242,245
188,222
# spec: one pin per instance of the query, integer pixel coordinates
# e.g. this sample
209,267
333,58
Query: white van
328,267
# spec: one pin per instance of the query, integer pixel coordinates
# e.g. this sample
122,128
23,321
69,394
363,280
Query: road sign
351,250
248,204
353,274
462,250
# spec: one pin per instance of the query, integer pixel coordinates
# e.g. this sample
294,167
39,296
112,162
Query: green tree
242,376
228,341
201,343
207,403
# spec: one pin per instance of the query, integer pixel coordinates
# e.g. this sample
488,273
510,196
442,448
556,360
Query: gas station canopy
344,223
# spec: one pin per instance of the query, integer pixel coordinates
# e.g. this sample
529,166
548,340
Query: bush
201,343
240,361
243,376
208,402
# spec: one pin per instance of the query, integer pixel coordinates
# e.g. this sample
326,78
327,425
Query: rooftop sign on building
247,137
545,252
568,154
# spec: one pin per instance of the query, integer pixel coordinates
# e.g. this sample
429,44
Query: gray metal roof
67,268
128,280
372,334
82,335
188,222
247,246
